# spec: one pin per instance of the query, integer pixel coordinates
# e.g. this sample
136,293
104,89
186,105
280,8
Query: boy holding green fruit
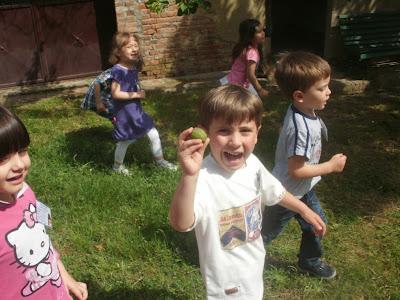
222,197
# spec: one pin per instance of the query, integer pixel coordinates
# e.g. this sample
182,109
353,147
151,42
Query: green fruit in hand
199,133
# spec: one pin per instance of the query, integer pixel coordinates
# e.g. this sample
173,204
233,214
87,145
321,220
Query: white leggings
155,145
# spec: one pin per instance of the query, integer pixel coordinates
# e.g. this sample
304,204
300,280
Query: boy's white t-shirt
228,216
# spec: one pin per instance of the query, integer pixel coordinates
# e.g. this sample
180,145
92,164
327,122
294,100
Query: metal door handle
2,48
78,39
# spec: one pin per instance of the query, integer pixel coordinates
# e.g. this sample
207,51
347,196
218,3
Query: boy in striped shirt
304,78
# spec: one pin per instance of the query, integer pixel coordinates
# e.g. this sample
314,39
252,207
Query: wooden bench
371,35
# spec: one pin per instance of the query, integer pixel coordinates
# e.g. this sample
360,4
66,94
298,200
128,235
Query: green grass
113,231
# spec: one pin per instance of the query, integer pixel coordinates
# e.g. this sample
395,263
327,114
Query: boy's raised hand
294,204
315,220
190,152
338,162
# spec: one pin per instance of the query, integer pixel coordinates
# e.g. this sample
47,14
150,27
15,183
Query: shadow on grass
50,111
365,128
99,293
56,113
33,93
95,146
175,111
90,145
273,263
183,244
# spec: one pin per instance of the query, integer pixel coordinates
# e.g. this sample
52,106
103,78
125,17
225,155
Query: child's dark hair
120,39
13,134
299,70
247,30
232,103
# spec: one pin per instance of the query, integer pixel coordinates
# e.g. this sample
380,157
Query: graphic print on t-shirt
34,253
239,225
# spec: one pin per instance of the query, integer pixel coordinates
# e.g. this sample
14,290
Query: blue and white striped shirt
301,136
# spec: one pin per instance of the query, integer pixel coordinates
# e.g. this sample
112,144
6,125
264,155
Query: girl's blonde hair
120,39
231,103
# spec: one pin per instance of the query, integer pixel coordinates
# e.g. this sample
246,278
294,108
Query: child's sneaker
320,269
121,170
166,164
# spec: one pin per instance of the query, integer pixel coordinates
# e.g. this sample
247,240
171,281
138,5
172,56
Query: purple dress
131,122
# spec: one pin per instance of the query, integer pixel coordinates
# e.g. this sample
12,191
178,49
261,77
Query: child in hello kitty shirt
30,268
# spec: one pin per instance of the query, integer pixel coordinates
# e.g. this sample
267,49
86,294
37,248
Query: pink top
238,73
28,261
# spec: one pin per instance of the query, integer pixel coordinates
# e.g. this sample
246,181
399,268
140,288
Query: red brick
167,30
149,21
149,31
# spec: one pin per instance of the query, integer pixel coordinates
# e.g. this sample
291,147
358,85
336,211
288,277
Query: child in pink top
246,57
30,268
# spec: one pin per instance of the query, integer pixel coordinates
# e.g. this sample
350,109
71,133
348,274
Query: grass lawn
113,231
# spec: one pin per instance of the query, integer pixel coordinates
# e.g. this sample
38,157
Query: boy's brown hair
120,39
232,103
299,70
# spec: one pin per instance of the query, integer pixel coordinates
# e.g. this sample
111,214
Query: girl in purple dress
131,122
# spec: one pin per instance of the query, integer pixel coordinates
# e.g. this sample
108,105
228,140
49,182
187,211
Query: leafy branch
185,7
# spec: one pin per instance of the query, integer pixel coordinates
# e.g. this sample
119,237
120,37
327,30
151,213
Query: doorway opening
298,25
106,24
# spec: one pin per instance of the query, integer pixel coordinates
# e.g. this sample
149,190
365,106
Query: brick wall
173,45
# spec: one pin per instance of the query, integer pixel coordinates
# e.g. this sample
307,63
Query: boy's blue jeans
276,218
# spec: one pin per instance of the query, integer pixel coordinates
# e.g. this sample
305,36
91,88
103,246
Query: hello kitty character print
34,252
32,261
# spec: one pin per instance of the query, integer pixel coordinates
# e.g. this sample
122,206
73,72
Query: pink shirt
238,73
28,261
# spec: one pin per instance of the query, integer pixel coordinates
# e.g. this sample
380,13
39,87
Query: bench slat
378,54
383,27
368,17
378,47
368,42
371,37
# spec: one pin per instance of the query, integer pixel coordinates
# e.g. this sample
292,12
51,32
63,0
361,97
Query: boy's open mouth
233,156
